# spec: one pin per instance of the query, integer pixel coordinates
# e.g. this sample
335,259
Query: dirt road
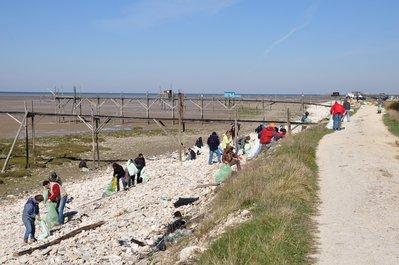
359,193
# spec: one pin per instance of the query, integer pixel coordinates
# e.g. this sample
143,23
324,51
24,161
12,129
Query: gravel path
359,193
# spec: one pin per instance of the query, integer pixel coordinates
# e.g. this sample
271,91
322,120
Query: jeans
211,153
29,228
337,122
61,207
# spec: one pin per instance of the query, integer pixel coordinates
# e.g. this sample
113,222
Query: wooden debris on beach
58,240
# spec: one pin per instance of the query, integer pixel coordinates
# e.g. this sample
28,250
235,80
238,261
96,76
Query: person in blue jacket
31,210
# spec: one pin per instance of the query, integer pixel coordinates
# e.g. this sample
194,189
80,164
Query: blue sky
251,46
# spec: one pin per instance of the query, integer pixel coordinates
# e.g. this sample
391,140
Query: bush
394,105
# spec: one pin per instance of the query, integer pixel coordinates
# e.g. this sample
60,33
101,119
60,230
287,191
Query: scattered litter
126,242
184,201
223,173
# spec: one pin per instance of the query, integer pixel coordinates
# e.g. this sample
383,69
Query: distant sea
115,95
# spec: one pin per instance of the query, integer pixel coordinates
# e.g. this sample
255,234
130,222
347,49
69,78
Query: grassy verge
248,111
391,123
281,191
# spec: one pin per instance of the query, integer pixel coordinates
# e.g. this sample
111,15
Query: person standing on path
337,111
213,143
347,106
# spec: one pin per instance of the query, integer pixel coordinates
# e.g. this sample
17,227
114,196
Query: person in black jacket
347,106
119,173
199,142
213,143
140,164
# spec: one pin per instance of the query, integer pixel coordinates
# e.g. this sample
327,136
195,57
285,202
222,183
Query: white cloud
305,21
144,14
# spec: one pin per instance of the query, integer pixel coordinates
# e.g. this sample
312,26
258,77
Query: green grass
391,123
136,131
48,150
247,111
393,105
281,191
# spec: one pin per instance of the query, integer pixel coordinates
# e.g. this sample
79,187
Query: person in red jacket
54,190
266,136
337,111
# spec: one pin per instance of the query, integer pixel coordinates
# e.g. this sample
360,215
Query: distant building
167,94
231,94
356,95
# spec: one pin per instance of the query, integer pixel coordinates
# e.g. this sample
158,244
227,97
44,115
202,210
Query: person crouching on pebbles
31,210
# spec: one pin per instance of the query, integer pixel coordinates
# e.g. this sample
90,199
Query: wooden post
122,109
33,137
33,133
13,144
148,107
236,131
213,104
263,109
202,107
302,103
173,109
97,149
181,107
58,109
93,138
98,106
288,121
26,139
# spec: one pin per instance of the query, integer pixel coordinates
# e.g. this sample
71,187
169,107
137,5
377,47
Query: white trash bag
131,168
330,123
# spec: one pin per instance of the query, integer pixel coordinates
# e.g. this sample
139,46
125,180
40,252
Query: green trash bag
44,229
111,188
51,215
49,220
144,175
223,173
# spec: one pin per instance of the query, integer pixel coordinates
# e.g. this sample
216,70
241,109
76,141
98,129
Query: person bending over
119,173
140,164
29,214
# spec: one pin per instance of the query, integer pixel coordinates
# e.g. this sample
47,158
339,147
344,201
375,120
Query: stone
189,253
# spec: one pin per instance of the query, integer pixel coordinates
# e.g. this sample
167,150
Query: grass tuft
391,122
281,190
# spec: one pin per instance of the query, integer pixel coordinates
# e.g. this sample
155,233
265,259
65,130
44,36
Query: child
31,209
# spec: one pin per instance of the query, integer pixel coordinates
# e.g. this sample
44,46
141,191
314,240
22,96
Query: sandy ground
359,192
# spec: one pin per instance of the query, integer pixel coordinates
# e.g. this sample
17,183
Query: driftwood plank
58,240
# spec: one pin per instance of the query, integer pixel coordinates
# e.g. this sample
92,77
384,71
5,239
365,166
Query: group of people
227,149
131,174
339,112
55,197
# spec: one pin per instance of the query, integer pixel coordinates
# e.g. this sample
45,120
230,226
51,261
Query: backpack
259,128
